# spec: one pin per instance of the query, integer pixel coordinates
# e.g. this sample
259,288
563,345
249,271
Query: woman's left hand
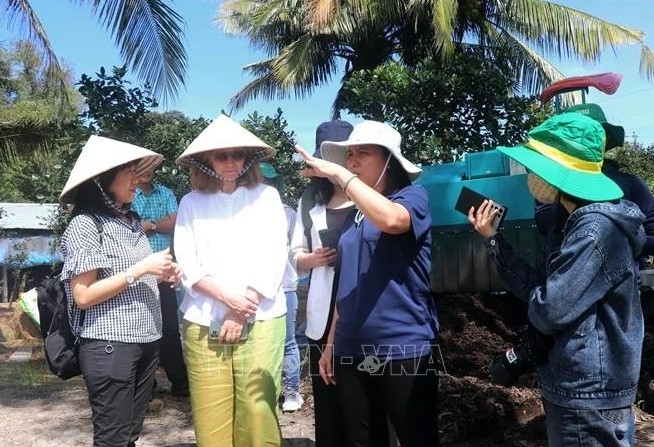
232,327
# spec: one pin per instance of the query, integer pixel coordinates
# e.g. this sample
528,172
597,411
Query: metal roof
26,216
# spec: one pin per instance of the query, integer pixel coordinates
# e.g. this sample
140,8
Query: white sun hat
100,155
370,132
224,133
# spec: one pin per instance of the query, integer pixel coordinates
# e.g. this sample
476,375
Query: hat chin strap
123,210
383,172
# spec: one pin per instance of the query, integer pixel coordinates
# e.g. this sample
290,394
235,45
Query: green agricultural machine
459,260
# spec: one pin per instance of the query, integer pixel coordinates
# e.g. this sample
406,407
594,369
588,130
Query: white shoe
292,401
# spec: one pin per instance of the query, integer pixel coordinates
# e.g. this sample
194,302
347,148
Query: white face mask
541,190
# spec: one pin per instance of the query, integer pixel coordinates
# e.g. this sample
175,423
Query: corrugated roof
27,216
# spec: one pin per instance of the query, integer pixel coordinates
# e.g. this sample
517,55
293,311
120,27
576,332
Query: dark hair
88,197
576,200
397,177
322,190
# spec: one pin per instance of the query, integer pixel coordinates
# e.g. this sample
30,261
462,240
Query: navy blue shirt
384,305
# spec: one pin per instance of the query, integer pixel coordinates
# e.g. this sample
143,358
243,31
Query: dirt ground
36,409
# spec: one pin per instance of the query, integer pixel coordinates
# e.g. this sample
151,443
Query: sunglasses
222,156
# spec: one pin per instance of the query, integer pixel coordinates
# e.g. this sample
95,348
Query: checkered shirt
132,316
161,202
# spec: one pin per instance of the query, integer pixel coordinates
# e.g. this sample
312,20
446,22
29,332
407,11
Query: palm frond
304,65
320,12
647,63
268,25
564,32
532,71
150,37
19,14
263,86
444,19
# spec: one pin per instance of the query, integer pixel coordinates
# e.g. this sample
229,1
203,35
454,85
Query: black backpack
60,345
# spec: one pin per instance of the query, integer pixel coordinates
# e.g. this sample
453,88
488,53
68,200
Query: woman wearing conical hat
111,273
230,240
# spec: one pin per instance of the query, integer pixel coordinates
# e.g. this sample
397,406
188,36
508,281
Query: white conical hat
101,154
224,133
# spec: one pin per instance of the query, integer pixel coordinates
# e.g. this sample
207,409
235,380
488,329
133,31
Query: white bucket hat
100,155
224,133
370,132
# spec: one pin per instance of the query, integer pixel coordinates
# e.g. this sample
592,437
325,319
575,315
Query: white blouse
239,240
322,277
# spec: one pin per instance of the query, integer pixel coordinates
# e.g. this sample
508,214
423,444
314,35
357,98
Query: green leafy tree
36,177
169,134
115,109
442,113
148,33
637,159
307,42
30,112
37,133
274,131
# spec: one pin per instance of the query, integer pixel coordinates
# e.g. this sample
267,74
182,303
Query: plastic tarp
28,302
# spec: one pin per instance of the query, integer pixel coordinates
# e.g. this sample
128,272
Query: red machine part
604,82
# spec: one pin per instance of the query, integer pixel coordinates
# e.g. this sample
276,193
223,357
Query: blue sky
216,61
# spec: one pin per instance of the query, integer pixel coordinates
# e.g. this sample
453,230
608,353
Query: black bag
60,345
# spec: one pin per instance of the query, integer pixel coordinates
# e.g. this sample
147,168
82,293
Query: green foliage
30,110
113,109
636,159
33,177
169,134
306,43
444,112
36,130
274,131
149,35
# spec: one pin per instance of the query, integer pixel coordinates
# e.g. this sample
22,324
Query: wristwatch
153,226
129,277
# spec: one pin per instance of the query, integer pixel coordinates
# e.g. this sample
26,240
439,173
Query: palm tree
149,34
306,39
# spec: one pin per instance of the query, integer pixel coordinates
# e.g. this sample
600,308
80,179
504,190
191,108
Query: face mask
541,190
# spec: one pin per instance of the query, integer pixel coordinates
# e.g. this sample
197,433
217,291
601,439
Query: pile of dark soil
474,411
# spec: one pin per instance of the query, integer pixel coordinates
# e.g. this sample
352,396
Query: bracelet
348,182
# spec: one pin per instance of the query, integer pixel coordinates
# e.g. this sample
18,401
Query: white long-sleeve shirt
239,240
322,277
289,283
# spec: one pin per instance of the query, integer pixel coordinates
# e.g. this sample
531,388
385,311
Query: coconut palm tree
149,34
305,40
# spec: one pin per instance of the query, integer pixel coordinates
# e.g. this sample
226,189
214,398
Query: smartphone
329,237
469,198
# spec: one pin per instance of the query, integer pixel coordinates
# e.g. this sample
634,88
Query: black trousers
170,350
119,379
403,392
327,412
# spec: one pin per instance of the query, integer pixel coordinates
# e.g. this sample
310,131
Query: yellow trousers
235,387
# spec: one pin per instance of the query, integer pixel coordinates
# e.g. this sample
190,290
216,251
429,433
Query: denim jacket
589,303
